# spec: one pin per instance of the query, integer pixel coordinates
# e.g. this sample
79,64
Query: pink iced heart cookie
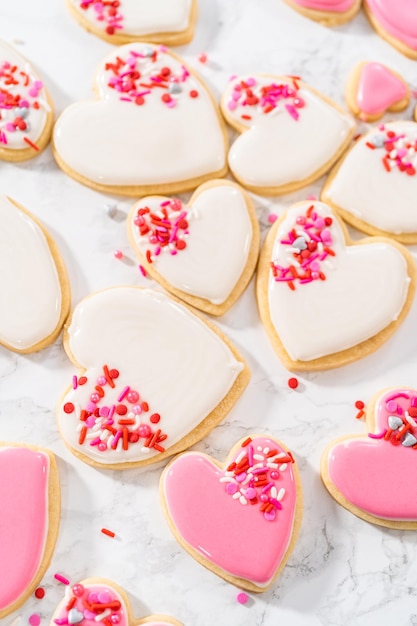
205,251
26,108
256,493
373,89
99,601
290,134
374,187
395,21
373,477
35,288
29,520
327,12
154,128
314,285
170,22
144,391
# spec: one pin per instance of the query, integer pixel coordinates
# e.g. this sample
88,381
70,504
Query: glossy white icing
363,187
141,17
114,142
29,282
365,290
278,149
217,246
161,350
34,118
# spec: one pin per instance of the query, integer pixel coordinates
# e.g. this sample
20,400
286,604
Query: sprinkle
142,271
202,57
74,382
31,144
40,593
107,532
118,254
34,619
61,579
272,217
359,405
242,597
293,383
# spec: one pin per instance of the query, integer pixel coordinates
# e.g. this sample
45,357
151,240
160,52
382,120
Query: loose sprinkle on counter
61,579
34,619
118,254
251,478
107,532
272,217
202,57
308,244
400,150
40,593
293,383
107,12
249,94
242,598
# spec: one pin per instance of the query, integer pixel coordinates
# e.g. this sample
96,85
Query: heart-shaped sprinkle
394,422
75,616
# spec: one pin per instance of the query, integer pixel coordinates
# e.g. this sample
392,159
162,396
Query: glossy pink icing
398,18
333,6
219,527
378,89
92,593
24,475
375,475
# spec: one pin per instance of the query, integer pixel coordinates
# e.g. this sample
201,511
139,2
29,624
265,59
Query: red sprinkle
69,407
108,532
292,383
359,405
40,593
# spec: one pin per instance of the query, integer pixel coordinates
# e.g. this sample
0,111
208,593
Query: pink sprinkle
391,406
34,619
292,111
313,198
202,57
242,597
377,435
123,394
118,254
61,579
95,442
116,439
61,622
272,217
142,270
74,382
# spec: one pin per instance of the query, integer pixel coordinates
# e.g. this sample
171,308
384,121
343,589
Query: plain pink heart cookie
374,187
373,89
29,520
155,127
34,283
205,251
170,22
373,477
146,389
290,134
396,22
314,286
26,108
99,601
327,12
256,493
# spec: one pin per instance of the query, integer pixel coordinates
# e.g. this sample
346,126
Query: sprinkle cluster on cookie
107,12
400,150
401,424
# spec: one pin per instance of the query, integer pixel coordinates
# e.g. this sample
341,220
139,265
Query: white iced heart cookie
326,301
99,601
26,110
155,127
170,22
33,282
290,134
374,187
148,388
204,252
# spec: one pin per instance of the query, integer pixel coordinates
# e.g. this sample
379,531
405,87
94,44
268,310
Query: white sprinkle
259,448
266,450
272,465
281,494
144,449
273,492
236,495
79,428
240,457
110,441
99,618
283,467
226,479
258,457
257,466
281,455
91,436
243,500
105,435
229,473
410,420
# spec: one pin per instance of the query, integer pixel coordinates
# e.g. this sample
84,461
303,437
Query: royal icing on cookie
97,601
375,474
334,6
398,18
178,135
29,282
24,107
200,249
253,496
135,17
128,406
378,89
377,182
281,119
24,475
319,288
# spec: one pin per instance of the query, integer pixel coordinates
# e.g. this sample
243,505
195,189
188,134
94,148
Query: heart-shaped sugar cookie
154,128
170,22
204,252
396,22
147,388
373,477
327,12
373,89
314,286
374,187
33,281
26,110
255,494
99,601
290,134
29,520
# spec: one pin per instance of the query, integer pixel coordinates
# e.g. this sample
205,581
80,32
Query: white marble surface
342,571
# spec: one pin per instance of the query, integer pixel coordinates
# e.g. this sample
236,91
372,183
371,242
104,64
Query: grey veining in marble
343,571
